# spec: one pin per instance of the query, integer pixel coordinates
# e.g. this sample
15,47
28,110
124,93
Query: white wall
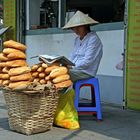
113,42
60,44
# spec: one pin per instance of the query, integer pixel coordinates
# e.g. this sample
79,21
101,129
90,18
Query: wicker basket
31,113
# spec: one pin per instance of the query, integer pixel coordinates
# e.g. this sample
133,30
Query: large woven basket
31,113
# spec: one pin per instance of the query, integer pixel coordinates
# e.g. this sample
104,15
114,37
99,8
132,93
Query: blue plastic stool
96,107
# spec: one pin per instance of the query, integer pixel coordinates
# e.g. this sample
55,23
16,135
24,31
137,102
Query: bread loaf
42,75
19,70
35,67
19,85
35,74
5,70
1,75
50,68
16,55
36,80
2,64
3,57
5,82
63,84
61,78
14,44
42,81
47,78
16,63
21,77
40,69
10,50
44,65
1,82
4,76
58,71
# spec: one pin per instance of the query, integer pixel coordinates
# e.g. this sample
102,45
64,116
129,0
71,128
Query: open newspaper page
49,59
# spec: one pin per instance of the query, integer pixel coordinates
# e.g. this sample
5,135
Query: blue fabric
78,75
87,53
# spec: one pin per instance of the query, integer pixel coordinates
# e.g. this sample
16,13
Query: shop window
49,13
103,11
55,13
42,14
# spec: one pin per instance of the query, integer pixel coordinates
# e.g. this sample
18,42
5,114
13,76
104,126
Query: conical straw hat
79,19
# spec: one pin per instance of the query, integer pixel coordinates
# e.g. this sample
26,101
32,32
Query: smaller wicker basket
30,112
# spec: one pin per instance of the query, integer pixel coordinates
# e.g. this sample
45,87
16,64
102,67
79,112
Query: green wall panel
10,18
133,56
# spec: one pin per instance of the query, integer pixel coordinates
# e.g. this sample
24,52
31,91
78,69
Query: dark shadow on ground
3,107
4,124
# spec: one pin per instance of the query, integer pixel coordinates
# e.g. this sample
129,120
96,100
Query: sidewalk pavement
117,124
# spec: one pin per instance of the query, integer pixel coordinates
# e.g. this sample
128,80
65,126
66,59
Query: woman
87,51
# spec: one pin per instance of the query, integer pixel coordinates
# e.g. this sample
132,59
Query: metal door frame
21,20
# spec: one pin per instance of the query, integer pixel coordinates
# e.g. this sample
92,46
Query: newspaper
49,59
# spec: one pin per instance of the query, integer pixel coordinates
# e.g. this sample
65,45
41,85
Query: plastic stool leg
97,97
77,92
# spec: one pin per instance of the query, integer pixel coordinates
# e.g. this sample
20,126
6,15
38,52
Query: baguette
35,74
16,55
5,82
40,69
1,82
3,57
4,76
42,75
42,81
61,78
14,44
10,50
44,65
50,68
5,70
63,84
35,67
58,71
16,63
19,85
19,70
2,64
47,78
1,75
36,80
21,77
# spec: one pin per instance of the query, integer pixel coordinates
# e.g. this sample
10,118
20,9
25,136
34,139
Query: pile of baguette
14,71
16,74
54,73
